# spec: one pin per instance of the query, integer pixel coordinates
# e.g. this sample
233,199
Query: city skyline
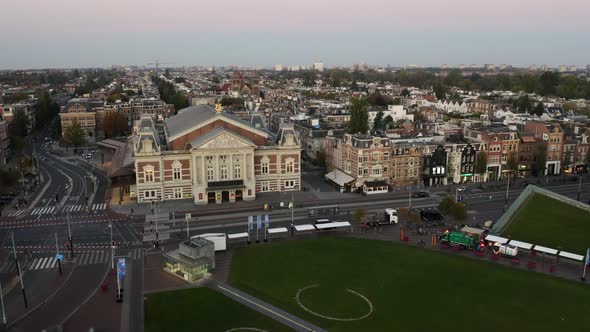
69,34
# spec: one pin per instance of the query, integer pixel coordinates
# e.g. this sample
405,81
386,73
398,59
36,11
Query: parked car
421,194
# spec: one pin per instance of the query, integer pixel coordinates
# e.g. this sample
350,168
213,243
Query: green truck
459,239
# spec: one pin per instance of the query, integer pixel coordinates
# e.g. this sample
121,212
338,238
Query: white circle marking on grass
297,297
246,329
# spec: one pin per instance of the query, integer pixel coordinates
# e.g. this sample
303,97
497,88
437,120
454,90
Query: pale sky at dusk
85,33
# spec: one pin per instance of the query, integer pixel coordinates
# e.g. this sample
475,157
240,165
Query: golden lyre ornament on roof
218,108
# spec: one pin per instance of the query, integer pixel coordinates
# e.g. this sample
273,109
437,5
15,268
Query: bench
552,269
515,261
532,265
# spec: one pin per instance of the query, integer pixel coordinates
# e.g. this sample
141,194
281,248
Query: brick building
552,135
247,83
212,157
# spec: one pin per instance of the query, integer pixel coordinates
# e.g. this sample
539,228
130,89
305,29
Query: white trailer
505,250
219,240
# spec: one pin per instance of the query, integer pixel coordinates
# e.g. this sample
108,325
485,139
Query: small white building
397,112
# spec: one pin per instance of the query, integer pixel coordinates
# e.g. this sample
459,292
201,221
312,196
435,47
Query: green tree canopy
359,118
378,122
481,163
74,134
21,124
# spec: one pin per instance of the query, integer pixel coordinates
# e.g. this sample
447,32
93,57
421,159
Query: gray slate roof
191,116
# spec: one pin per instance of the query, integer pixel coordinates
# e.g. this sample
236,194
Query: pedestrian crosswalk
97,207
95,257
43,263
43,210
8,266
16,213
76,208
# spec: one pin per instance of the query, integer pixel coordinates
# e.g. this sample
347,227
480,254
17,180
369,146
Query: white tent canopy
333,225
570,255
546,250
277,230
237,235
521,245
498,239
306,227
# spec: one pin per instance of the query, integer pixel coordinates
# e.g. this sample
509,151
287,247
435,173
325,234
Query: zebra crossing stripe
35,261
84,259
38,264
53,262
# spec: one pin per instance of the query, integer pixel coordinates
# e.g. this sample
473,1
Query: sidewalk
264,308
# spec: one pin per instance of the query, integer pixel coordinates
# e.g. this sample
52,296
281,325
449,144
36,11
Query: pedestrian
131,210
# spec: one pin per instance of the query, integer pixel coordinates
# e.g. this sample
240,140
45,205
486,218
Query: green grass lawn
412,289
551,223
202,309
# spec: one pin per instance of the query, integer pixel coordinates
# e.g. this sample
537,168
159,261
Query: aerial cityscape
309,166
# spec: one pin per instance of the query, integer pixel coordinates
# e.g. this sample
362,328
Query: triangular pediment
223,140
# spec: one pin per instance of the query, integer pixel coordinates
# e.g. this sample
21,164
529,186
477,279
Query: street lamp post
507,190
112,248
292,215
70,235
410,198
156,217
2,301
579,187
57,251
22,285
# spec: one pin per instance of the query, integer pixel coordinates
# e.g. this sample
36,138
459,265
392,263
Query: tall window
386,156
223,174
237,171
290,166
265,186
177,171
265,167
149,175
210,173
177,192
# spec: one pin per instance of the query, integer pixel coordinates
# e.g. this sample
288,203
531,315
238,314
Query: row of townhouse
369,160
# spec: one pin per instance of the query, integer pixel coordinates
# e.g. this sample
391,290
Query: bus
327,210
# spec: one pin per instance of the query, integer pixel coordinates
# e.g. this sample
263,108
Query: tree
481,163
459,211
378,123
539,109
359,118
512,162
569,106
539,160
74,134
405,93
388,122
446,204
523,104
114,124
321,158
548,83
43,110
440,91
354,86
21,124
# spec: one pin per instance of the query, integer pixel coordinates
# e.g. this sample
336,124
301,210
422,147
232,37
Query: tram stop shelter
192,260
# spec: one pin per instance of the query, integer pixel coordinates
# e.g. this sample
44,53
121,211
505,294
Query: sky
98,33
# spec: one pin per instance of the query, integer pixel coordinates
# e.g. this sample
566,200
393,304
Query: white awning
339,177
237,235
546,250
522,245
569,255
498,239
306,227
277,230
333,225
